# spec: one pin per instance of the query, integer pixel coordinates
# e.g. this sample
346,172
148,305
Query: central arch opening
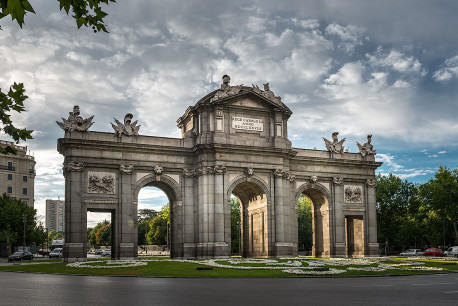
253,219
156,199
313,207
153,222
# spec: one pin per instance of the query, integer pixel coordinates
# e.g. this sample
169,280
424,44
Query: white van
452,252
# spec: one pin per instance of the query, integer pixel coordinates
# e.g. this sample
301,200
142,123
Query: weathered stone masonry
235,141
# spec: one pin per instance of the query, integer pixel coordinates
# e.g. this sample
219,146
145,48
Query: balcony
2,167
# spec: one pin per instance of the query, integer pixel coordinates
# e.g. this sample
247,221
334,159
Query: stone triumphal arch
234,142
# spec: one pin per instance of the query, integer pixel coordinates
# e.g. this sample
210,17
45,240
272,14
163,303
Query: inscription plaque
248,124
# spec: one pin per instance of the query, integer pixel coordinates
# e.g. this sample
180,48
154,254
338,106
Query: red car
433,252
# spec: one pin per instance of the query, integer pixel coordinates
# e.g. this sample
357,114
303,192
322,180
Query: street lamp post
24,217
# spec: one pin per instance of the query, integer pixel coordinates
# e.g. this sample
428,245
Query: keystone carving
249,171
335,146
158,170
353,194
75,122
126,169
371,183
126,128
104,184
313,179
226,89
367,148
337,180
74,166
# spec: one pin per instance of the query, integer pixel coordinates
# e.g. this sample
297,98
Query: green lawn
161,267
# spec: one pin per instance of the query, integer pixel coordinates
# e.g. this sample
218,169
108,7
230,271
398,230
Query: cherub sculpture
335,146
75,122
128,128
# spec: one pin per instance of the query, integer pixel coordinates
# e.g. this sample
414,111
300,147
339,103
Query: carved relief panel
353,194
101,182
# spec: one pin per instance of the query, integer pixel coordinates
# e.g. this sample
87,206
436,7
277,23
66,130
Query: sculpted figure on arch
75,121
367,148
128,128
335,146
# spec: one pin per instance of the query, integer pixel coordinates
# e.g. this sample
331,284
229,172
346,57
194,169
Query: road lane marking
451,291
433,284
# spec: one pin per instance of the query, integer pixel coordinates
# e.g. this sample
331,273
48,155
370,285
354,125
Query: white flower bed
301,266
110,264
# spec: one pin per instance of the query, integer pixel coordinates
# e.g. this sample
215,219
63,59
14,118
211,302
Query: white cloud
396,61
350,36
448,71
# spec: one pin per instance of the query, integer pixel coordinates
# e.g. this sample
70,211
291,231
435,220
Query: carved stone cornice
126,169
337,180
74,166
371,183
158,170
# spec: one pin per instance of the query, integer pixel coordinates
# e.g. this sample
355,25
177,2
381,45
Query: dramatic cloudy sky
388,68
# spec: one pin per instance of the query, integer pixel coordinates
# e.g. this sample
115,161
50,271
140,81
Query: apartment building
17,173
55,215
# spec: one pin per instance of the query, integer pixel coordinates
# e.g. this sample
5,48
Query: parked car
433,252
452,252
106,252
56,253
98,252
412,252
19,256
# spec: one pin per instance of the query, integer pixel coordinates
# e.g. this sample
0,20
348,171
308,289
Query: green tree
85,12
143,226
235,223
304,224
159,227
13,212
97,232
395,199
52,235
441,194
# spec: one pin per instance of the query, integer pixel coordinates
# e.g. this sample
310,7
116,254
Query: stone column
125,230
278,206
221,248
372,247
189,243
75,229
339,218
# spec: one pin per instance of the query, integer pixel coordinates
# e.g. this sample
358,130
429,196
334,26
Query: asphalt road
45,289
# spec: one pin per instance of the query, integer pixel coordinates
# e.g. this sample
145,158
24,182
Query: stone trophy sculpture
335,146
367,148
75,122
127,128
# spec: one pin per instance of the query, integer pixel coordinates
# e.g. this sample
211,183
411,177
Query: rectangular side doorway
101,229
354,236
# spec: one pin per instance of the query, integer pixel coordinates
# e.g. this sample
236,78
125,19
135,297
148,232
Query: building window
25,202
10,165
24,178
9,190
24,191
31,169
10,177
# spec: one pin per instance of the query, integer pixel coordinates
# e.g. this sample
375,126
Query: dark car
433,252
56,253
19,256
